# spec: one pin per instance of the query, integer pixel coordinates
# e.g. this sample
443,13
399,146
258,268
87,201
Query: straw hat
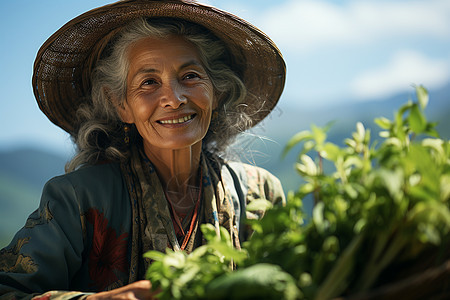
61,78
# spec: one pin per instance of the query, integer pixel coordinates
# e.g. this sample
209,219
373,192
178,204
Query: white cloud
403,70
308,24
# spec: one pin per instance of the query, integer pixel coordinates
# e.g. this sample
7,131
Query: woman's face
169,94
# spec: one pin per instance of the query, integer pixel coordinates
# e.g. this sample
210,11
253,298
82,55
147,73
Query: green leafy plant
182,276
379,206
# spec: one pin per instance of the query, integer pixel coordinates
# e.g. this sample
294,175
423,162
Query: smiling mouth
178,120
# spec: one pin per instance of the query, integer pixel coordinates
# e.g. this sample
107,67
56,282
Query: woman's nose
173,96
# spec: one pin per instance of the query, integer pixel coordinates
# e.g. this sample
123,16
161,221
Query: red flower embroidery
108,253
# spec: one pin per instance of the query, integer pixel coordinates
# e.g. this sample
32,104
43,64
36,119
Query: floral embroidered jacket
78,241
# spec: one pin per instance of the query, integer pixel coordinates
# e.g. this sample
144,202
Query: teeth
177,121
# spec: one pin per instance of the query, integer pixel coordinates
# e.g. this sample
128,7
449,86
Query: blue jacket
50,254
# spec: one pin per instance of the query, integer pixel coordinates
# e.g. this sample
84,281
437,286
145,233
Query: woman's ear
124,112
122,108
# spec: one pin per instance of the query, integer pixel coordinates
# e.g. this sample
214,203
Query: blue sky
335,51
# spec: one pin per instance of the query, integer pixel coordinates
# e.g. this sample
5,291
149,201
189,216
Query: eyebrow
146,71
185,65
191,63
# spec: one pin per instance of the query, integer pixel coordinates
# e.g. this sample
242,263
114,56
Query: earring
126,130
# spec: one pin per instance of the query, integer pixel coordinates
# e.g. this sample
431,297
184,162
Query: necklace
177,219
183,203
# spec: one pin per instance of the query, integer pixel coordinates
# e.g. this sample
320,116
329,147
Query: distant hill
24,171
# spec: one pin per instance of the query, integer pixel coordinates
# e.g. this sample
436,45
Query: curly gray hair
100,135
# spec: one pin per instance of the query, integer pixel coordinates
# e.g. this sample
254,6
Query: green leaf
175,259
399,115
308,146
330,151
331,244
354,161
367,137
351,143
417,120
225,236
306,188
398,128
393,141
318,216
392,181
308,166
422,96
305,280
350,191
445,188
199,252
383,123
260,281
297,138
259,204
437,145
154,255
209,231
384,134
319,134
361,131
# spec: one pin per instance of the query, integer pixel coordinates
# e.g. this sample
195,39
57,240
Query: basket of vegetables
380,227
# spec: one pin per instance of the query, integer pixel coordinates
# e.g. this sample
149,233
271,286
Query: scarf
153,227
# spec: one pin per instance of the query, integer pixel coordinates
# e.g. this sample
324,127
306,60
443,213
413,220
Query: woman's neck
177,169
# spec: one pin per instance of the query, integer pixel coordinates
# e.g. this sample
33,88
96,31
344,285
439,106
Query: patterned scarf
152,227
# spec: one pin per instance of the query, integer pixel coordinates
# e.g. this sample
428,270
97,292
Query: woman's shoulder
258,182
252,173
89,183
96,174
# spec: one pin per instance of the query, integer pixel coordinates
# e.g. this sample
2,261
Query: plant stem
373,270
335,283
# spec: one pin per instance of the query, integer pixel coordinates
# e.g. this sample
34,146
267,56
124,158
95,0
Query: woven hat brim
61,78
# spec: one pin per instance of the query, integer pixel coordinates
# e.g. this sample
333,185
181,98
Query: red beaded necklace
177,219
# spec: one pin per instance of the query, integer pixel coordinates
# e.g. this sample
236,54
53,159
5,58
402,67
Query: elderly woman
152,93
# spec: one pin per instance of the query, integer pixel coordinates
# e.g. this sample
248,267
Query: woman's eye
191,76
149,82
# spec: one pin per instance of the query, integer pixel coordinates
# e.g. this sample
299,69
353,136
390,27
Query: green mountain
23,173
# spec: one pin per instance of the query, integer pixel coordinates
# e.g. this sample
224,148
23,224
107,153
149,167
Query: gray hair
100,136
